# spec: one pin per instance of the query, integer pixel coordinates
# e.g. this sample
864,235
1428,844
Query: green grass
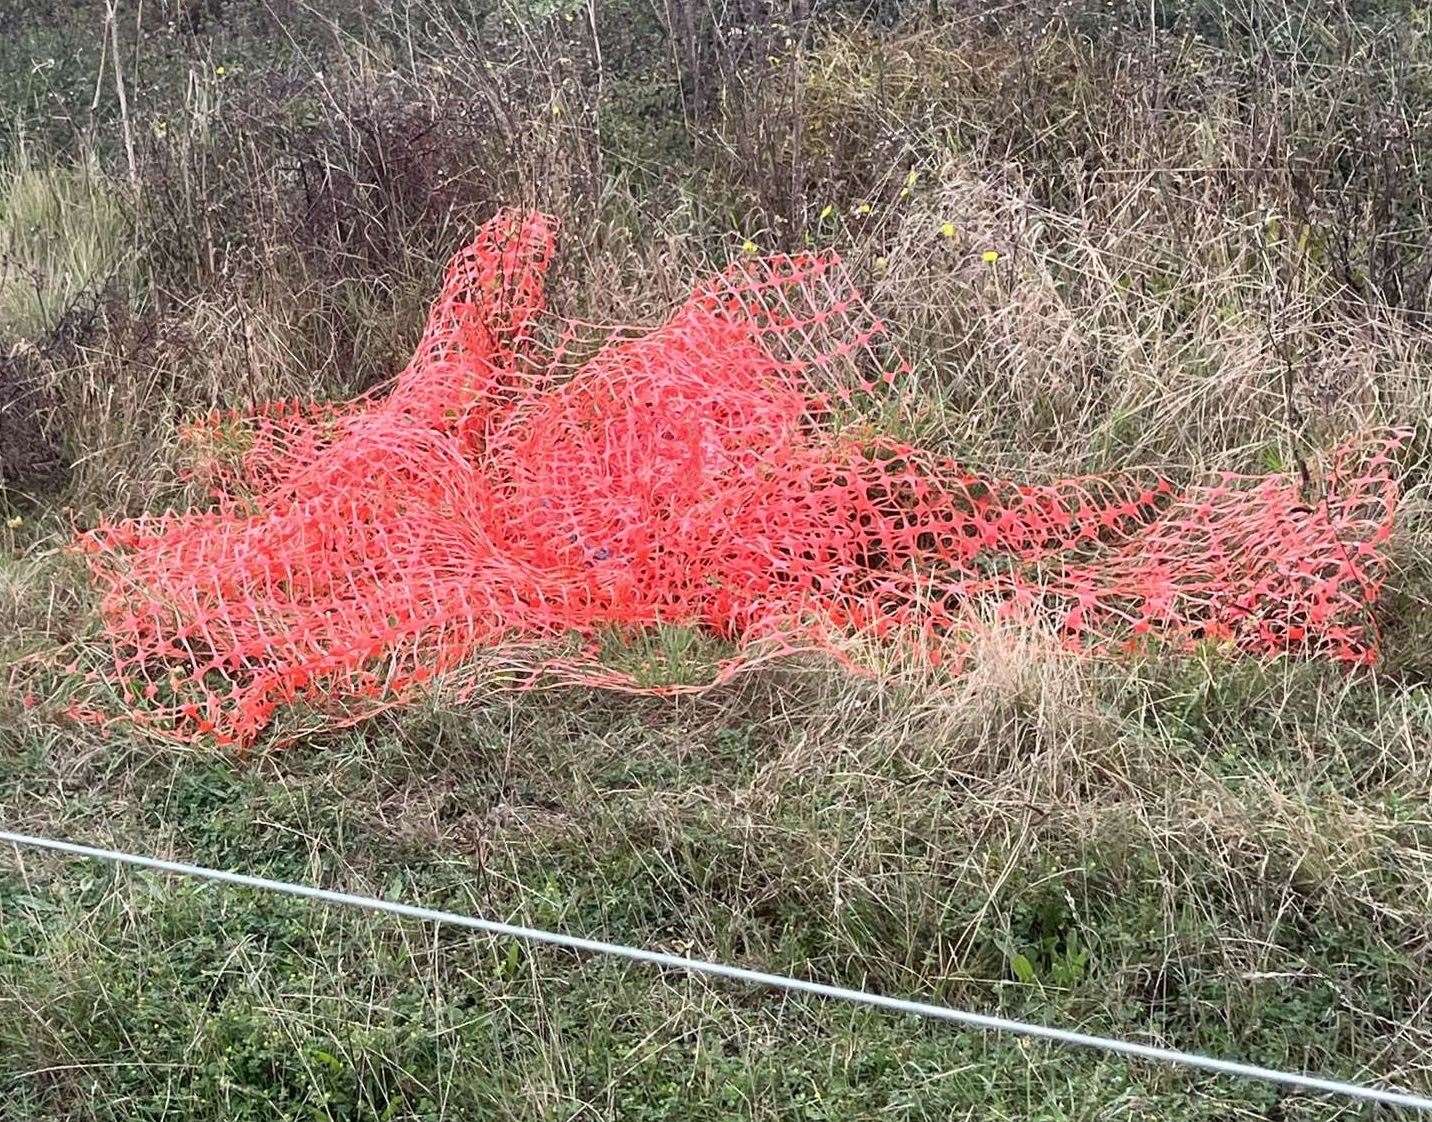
62,238
664,656
1210,858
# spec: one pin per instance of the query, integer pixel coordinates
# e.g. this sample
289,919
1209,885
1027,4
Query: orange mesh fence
503,495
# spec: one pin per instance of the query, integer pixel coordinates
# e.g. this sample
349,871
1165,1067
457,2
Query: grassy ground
1213,239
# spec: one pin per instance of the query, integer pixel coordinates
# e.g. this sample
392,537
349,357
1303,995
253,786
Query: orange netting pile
507,494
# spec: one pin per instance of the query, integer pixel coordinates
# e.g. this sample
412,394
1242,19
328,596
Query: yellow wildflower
990,256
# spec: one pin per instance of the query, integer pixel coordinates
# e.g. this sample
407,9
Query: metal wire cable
740,974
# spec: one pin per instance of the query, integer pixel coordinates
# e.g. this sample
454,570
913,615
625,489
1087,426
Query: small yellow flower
14,522
219,71
863,209
990,256
947,230
913,178
827,212
749,246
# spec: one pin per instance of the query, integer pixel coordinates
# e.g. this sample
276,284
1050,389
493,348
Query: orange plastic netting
507,494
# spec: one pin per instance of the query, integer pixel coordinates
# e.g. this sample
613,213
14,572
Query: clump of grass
64,236
665,655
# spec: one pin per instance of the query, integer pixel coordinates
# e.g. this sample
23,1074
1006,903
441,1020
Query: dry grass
62,239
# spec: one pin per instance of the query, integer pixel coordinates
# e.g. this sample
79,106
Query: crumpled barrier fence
506,494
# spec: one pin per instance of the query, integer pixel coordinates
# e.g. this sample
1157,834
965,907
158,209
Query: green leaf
328,1059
